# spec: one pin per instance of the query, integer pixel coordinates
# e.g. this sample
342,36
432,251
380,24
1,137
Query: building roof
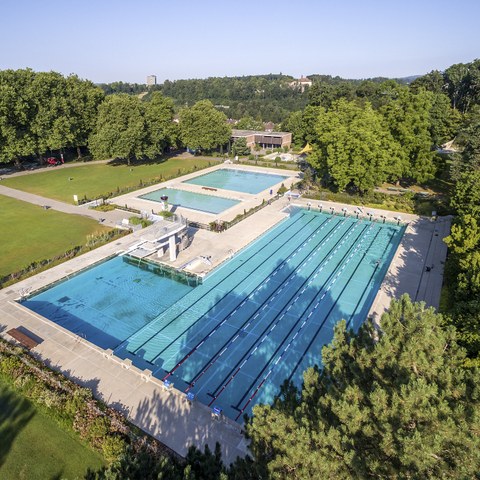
304,80
246,133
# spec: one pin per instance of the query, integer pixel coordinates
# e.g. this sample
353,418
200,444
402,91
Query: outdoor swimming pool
192,200
238,180
260,318
110,301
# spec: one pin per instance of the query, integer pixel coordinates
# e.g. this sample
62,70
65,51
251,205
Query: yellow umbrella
306,149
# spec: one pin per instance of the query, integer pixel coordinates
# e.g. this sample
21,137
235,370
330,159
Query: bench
23,338
210,188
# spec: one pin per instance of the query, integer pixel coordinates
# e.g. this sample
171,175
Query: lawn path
109,219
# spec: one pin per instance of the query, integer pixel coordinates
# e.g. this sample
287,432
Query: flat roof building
264,139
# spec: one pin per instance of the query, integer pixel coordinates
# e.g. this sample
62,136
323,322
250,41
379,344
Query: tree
433,82
240,147
465,198
444,120
455,84
408,118
51,124
203,127
83,100
354,149
162,130
17,112
390,403
249,123
470,138
121,130
309,124
463,279
293,124
464,245
143,465
40,112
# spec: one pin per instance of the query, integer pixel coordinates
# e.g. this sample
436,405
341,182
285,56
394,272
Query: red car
53,161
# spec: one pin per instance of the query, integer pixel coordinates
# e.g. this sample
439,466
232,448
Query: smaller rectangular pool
238,180
194,201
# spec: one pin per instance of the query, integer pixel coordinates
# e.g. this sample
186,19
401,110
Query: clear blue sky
107,40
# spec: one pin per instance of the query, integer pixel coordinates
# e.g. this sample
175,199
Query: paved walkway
4,172
109,219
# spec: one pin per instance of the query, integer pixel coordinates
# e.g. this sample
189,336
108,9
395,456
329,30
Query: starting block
167,385
217,412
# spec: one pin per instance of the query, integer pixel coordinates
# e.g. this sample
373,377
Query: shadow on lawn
15,413
135,163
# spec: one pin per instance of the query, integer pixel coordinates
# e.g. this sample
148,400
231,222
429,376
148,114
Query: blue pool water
108,302
238,180
261,317
194,201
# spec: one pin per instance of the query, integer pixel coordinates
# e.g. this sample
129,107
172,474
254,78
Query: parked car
53,161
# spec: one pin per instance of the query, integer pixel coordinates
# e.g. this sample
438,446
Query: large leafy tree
433,82
465,198
408,118
293,124
390,403
121,129
52,122
471,140
456,85
444,120
353,147
83,99
464,245
249,123
17,112
463,274
162,130
44,111
203,127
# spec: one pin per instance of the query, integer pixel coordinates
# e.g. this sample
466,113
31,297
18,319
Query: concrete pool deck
247,200
165,414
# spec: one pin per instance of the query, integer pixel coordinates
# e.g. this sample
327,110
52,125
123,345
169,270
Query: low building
263,139
301,84
269,126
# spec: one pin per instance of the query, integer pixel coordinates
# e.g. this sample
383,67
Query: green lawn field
61,183
30,233
33,446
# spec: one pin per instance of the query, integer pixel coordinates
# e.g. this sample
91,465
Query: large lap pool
238,180
261,317
192,200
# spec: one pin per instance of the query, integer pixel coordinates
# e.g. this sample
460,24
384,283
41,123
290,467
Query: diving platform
161,237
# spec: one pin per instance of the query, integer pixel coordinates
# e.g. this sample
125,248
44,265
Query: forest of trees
42,112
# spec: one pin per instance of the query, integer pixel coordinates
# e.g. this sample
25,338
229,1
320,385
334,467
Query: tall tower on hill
151,80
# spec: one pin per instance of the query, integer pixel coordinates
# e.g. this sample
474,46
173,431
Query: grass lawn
30,233
33,446
94,180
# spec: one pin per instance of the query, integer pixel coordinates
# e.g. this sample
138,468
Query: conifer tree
389,403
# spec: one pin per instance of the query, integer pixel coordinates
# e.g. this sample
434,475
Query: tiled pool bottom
109,302
261,317
238,180
192,200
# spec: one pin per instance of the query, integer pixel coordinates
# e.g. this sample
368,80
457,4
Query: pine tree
390,403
